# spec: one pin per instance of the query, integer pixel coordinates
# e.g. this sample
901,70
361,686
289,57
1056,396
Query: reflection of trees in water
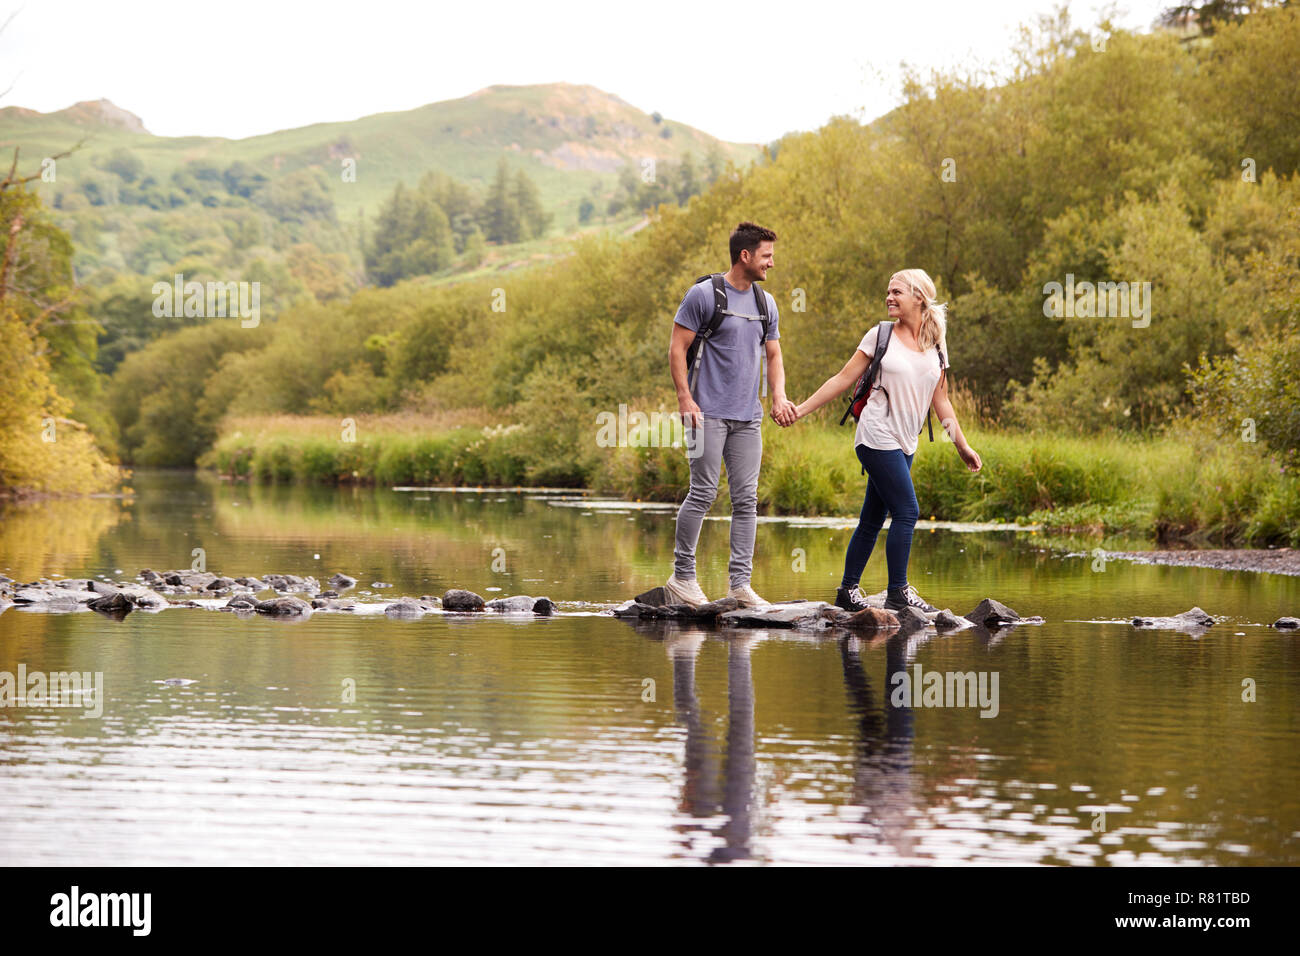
56,535
882,768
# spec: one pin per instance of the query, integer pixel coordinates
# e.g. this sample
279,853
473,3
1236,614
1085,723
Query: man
724,416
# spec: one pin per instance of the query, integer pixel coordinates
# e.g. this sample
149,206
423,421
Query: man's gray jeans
740,445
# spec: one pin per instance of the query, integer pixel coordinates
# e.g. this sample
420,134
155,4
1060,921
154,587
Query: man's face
759,261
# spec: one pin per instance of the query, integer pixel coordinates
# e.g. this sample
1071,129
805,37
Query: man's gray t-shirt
731,365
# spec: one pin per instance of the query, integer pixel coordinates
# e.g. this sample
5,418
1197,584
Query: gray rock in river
125,598
869,620
655,597
796,614
518,603
405,607
291,582
703,614
1287,623
49,594
341,581
521,604
287,606
710,610
1194,619
143,597
991,613
241,601
460,600
635,609
117,601
945,620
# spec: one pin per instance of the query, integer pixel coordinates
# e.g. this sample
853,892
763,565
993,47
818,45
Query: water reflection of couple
882,764
718,399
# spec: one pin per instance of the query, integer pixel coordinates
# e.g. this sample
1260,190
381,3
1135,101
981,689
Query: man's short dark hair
748,235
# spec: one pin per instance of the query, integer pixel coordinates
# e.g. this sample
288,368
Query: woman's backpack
863,390
868,381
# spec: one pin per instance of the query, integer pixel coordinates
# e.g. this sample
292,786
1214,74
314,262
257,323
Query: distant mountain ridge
101,112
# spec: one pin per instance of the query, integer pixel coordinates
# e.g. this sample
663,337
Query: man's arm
783,412
681,341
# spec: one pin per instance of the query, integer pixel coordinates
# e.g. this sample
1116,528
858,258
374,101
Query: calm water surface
581,739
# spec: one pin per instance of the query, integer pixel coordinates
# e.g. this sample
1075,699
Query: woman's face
900,301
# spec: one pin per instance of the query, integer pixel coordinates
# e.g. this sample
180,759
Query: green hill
569,139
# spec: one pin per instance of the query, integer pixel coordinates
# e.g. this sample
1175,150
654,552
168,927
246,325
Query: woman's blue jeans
889,491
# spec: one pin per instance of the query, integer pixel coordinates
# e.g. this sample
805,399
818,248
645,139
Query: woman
913,378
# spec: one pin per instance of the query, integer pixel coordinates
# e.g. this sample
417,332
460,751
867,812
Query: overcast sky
240,68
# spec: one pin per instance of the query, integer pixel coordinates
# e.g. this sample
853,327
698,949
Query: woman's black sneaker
851,599
898,598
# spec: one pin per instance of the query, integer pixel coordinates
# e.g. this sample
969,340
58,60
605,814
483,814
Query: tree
1207,15
125,164
534,220
49,347
500,216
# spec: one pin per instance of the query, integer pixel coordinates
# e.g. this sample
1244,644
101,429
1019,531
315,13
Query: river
578,738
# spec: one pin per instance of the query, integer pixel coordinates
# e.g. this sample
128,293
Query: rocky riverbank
1264,560
277,595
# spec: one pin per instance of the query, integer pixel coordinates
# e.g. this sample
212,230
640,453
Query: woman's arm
942,407
837,383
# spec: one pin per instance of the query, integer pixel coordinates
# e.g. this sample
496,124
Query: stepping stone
519,604
403,607
802,614
284,607
991,613
945,620
1194,619
460,600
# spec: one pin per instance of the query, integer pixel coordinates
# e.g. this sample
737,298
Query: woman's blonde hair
934,322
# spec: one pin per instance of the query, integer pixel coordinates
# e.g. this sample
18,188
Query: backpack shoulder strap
719,304
760,297
942,371
695,351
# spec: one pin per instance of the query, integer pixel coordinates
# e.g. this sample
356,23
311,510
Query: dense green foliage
46,371
422,231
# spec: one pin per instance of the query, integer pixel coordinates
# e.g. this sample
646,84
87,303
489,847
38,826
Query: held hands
970,456
784,412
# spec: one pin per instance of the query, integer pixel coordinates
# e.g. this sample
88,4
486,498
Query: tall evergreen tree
534,220
500,217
